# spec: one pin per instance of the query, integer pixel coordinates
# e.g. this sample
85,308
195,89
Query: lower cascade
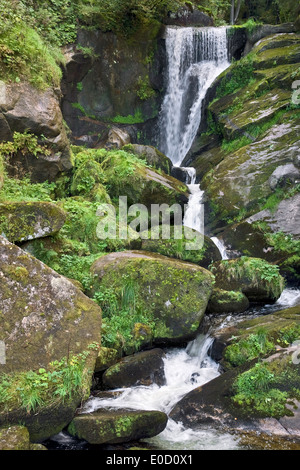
185,370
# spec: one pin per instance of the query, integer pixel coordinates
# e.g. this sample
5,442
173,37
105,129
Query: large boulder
258,280
224,301
170,294
143,368
250,339
116,426
21,221
259,390
26,109
47,326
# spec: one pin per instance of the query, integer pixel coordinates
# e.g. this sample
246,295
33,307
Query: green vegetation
25,143
121,311
240,75
260,343
24,53
63,380
145,91
256,390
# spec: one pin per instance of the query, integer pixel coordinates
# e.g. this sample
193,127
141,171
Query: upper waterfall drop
196,56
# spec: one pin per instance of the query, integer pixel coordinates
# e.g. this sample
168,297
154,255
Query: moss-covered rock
14,438
222,301
143,368
192,247
250,113
246,398
106,358
258,280
45,320
153,157
255,338
26,109
118,426
21,221
170,294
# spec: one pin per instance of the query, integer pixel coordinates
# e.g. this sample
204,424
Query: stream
185,369
196,56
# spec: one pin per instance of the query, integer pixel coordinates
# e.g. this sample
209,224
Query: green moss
35,390
165,296
266,388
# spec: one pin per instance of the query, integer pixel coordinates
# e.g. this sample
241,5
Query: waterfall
196,56
221,247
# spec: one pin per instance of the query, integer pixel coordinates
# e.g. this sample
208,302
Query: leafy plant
32,390
256,389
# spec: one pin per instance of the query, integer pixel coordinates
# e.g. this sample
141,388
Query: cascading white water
221,247
184,370
196,56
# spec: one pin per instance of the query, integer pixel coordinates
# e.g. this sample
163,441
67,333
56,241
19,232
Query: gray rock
284,173
143,368
24,108
285,219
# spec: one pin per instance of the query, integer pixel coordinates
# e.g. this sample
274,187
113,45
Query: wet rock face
143,368
23,108
120,82
261,132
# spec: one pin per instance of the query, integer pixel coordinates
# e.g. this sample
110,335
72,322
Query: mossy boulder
143,368
170,294
153,156
44,320
112,427
258,280
191,246
223,301
106,358
17,437
21,221
272,236
124,174
255,338
276,50
258,111
27,109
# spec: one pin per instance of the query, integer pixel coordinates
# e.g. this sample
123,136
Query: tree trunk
237,10
232,12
